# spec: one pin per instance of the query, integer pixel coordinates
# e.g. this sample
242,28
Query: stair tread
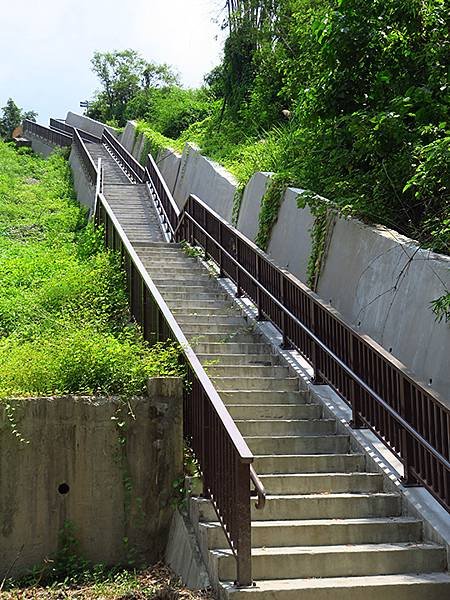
323,522
337,549
343,582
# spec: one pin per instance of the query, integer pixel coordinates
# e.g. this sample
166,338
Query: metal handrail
226,467
49,135
165,204
69,129
400,432
129,163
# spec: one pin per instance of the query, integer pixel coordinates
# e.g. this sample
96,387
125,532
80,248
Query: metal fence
55,138
69,130
223,455
130,165
409,418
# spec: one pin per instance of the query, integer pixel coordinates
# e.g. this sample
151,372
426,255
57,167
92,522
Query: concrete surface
290,242
183,554
383,283
206,179
128,135
75,468
169,162
379,280
89,125
251,204
83,187
39,146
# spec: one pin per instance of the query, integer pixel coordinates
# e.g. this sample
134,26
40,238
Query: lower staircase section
331,529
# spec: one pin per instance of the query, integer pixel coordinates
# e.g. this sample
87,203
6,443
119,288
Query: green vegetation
82,582
347,98
64,321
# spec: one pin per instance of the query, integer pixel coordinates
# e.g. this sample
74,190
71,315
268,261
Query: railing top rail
397,364
47,132
61,125
235,435
164,185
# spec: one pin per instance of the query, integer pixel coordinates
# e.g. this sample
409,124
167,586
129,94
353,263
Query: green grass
64,320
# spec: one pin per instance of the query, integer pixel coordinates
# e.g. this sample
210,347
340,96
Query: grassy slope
64,323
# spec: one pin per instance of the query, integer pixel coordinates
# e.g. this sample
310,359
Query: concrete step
217,327
433,586
290,507
208,312
312,444
323,483
239,359
186,304
276,427
236,320
194,284
250,371
322,532
310,463
205,337
232,397
233,348
255,383
336,561
274,411
198,297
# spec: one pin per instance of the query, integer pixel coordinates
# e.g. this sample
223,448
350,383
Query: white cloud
46,45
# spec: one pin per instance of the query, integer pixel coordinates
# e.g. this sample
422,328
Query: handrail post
243,512
285,344
408,479
221,273
260,316
317,378
356,421
238,270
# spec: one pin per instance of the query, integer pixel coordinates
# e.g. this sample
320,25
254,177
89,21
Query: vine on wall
270,206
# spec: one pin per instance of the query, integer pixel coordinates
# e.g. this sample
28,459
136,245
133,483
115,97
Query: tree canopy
12,117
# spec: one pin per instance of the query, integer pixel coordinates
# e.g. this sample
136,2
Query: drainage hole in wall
359,323
63,488
390,349
431,381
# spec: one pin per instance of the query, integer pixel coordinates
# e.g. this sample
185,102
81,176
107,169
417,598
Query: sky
46,45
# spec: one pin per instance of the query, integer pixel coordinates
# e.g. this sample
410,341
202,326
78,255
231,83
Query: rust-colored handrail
409,418
223,455
86,159
56,138
69,130
127,160
165,204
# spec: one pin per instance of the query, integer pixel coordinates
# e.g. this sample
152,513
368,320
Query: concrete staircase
329,529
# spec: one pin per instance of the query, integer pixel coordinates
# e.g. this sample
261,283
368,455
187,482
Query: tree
122,75
12,117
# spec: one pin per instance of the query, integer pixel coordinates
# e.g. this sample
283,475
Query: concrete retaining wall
380,282
383,283
208,180
39,146
83,187
89,125
251,204
74,468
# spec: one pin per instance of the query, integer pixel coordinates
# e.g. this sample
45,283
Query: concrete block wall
381,282
88,124
74,468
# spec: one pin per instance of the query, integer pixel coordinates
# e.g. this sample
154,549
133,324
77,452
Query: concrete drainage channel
386,537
